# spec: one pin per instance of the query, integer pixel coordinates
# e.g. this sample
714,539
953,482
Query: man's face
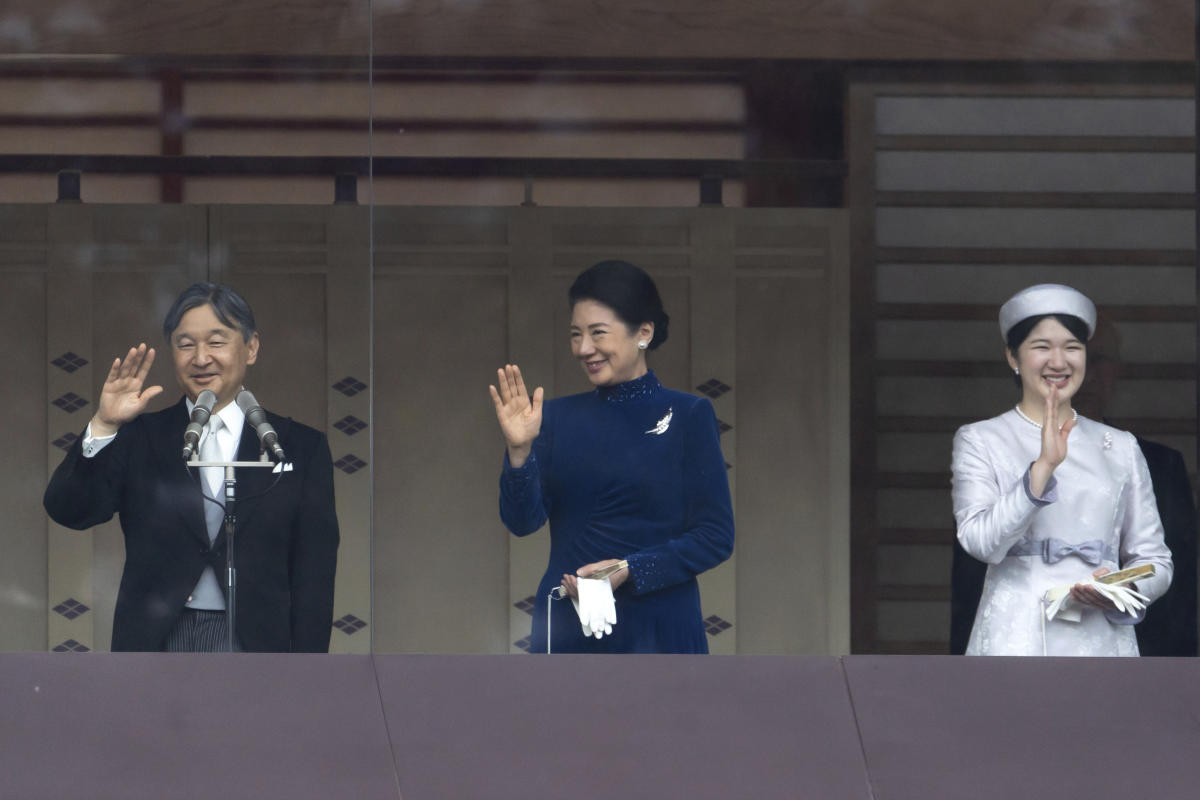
210,355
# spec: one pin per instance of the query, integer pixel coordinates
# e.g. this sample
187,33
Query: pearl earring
643,345
1016,371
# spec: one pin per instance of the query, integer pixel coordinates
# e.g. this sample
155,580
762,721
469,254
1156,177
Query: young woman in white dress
1048,498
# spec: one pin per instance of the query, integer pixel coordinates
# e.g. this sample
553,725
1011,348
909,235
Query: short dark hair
1018,333
229,306
628,291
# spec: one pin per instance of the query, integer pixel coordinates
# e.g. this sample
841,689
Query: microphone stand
230,527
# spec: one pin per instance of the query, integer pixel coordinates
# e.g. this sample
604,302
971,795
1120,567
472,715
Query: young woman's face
1050,356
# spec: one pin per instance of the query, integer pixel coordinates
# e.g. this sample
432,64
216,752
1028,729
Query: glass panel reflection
143,151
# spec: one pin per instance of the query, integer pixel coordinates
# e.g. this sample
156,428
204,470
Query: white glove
1059,603
596,607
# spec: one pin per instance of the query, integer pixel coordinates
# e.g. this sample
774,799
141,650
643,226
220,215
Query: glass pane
145,151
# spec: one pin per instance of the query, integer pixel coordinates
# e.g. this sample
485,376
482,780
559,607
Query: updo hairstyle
628,291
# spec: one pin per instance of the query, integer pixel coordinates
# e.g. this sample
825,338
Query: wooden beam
903,30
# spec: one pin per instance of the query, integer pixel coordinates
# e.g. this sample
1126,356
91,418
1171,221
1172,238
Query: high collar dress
1098,511
632,471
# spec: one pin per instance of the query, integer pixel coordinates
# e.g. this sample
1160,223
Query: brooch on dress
1107,442
661,426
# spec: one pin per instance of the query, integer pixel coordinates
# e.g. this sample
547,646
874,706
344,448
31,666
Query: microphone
258,418
200,414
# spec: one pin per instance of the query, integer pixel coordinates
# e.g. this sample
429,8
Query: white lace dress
1098,511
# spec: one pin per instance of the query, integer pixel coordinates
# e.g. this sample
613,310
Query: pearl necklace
1038,425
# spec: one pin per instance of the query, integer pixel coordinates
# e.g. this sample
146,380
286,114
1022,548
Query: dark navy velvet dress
631,471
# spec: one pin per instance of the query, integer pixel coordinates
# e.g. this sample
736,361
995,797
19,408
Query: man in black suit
130,463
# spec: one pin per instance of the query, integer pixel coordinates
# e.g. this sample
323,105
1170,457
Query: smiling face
606,347
208,354
1050,356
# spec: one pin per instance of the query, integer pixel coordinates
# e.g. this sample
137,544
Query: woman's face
1050,356
605,346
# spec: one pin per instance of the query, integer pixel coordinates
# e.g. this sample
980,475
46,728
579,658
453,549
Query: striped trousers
199,631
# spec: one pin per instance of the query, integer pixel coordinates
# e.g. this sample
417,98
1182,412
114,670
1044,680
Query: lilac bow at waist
1053,550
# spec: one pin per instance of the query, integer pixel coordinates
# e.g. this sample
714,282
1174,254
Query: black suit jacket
286,539
1169,628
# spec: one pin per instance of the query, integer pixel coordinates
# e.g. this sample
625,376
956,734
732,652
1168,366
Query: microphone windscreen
246,401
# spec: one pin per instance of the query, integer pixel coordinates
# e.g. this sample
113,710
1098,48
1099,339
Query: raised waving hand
520,416
1054,443
122,397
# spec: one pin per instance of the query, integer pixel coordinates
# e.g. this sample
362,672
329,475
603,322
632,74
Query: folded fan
1058,600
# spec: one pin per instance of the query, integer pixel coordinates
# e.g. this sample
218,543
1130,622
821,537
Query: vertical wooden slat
348,319
69,328
863,412
25,398
839,374
714,355
533,340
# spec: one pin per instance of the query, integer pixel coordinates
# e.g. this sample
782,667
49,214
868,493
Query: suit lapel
165,434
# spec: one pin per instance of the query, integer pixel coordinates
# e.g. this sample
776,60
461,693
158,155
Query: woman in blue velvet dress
630,471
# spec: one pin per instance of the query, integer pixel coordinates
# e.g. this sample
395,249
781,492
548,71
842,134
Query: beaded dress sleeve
707,535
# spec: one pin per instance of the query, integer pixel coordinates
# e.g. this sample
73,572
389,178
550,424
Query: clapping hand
122,397
1054,432
1054,444
520,417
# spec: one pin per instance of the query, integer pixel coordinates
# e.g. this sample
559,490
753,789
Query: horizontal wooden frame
1034,255
463,167
937,30
1039,144
183,123
990,199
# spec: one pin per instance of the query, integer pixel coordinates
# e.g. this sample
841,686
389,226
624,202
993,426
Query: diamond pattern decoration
350,425
69,362
71,608
522,644
715,626
72,646
713,388
349,624
350,463
65,441
526,605
70,402
723,426
349,386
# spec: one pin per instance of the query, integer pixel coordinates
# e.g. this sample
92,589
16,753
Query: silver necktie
213,478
